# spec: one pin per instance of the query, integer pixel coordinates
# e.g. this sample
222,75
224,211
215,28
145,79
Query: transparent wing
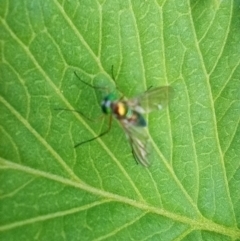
153,99
139,140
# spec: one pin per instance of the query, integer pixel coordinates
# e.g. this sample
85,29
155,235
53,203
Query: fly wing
139,140
152,99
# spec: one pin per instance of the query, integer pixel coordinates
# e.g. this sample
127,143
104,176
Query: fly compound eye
104,109
106,106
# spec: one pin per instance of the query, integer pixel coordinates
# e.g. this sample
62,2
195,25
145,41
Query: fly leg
100,135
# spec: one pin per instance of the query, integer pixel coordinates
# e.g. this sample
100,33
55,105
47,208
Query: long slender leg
100,135
113,77
81,113
92,86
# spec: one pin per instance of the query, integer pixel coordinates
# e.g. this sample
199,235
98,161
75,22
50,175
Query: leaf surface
53,191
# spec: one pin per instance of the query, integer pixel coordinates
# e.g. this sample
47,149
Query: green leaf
53,191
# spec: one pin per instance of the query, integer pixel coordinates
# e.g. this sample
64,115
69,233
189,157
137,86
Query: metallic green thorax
120,109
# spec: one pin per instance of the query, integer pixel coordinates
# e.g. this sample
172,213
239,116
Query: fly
129,113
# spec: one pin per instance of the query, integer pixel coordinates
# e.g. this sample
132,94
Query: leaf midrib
200,224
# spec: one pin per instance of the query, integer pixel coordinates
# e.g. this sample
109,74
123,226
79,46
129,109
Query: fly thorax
120,109
131,116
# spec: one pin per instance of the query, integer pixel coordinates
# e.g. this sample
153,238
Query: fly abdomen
135,118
